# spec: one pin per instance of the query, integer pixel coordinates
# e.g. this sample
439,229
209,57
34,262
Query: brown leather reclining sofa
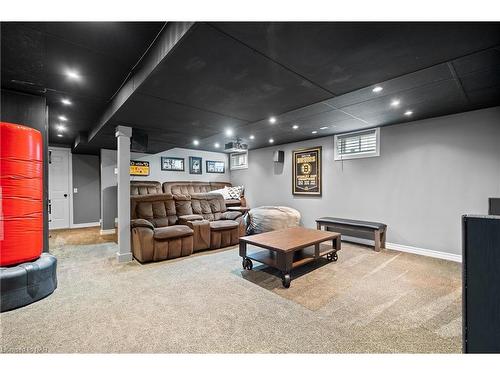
182,188
165,226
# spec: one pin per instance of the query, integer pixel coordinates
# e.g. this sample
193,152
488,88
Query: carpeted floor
365,302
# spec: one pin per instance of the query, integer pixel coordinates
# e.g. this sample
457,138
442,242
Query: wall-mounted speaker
279,156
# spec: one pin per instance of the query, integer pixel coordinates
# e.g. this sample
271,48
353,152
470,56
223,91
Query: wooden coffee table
289,248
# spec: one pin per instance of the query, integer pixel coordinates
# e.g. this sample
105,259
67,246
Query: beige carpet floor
366,302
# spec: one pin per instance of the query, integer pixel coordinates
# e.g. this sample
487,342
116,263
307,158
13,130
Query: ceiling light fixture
73,74
66,101
377,89
59,135
271,140
60,127
395,103
272,119
229,132
408,113
252,136
295,127
323,128
314,131
63,118
196,142
216,145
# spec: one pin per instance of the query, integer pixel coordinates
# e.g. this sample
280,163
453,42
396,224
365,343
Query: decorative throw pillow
223,191
235,191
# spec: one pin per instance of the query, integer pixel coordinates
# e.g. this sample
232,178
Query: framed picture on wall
172,164
307,171
216,166
139,168
195,165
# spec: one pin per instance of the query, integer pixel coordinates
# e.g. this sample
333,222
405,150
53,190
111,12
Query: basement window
238,160
360,144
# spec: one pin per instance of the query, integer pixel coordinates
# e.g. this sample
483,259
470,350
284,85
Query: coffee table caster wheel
332,257
285,280
247,264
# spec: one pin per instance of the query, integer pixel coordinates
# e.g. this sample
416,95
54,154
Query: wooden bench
355,228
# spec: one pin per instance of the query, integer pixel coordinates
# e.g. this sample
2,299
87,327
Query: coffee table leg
285,262
246,263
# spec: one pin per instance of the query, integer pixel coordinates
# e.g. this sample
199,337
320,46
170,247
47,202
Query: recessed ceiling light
314,131
272,119
323,128
252,136
295,127
73,74
63,118
395,103
59,135
271,140
229,132
408,113
216,145
196,142
66,101
60,127
377,89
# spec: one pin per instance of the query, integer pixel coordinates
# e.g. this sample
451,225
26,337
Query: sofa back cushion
191,187
209,205
159,209
145,187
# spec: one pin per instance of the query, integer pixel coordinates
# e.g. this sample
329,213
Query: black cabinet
481,284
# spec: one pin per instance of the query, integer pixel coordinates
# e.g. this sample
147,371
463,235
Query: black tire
247,264
286,280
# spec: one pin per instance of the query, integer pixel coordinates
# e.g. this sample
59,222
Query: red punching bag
21,194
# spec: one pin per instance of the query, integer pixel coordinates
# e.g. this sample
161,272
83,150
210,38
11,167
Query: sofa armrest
201,234
138,223
184,219
230,215
243,201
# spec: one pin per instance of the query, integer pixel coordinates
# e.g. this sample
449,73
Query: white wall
429,173
156,174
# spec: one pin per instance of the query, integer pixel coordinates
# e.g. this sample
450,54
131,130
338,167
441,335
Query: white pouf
268,218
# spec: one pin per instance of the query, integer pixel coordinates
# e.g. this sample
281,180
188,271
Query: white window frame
339,157
236,167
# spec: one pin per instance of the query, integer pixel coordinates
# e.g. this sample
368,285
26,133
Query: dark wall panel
86,179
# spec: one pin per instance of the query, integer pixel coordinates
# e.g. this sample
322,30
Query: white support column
123,134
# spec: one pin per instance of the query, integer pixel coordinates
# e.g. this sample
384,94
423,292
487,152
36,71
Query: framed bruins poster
307,171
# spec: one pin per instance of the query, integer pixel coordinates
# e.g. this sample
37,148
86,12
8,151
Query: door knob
65,195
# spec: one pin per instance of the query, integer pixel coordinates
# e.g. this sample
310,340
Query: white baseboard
409,249
85,225
107,231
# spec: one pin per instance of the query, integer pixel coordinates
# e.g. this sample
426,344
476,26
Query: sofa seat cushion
223,225
174,231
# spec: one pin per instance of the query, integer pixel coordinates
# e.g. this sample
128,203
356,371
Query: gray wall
109,210
429,173
86,202
109,182
157,174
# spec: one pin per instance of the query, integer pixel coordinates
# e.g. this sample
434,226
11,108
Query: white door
59,194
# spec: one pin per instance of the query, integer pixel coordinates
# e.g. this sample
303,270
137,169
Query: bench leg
383,239
318,226
377,240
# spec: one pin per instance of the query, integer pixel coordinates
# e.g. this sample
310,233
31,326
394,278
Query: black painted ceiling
35,56
315,75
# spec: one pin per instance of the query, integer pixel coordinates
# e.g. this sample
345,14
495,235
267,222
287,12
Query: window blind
357,144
